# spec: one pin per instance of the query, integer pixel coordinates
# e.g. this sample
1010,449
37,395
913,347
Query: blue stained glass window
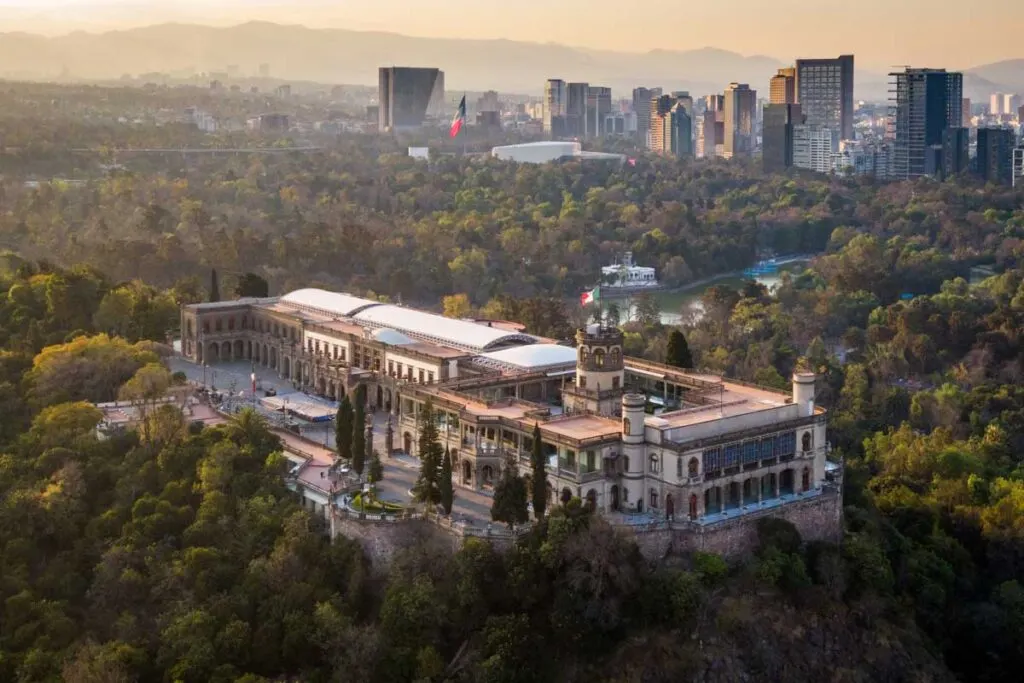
750,452
732,455
712,460
785,444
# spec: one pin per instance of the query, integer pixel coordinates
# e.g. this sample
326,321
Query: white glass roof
436,329
533,356
327,303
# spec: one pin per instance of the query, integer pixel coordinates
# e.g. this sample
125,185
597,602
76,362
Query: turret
633,418
803,392
599,371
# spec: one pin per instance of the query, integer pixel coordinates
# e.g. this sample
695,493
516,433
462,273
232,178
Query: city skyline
754,28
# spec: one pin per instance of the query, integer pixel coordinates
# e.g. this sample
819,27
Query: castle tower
803,392
599,372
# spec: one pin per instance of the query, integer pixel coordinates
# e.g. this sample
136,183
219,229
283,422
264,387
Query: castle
638,441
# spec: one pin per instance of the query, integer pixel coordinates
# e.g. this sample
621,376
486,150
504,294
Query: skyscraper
777,146
672,125
711,142
995,104
554,108
966,106
824,91
681,130
740,118
812,148
599,105
642,106
576,110
660,136
408,96
783,87
1018,167
995,155
927,103
956,144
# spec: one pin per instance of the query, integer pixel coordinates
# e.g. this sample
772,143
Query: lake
672,303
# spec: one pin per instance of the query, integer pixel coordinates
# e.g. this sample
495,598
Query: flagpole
464,123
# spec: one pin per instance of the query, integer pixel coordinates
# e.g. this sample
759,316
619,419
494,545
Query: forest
177,554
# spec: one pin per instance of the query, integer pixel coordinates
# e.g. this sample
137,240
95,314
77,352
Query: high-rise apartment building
994,162
956,157
408,97
599,105
740,119
1018,167
555,100
926,103
711,141
660,136
824,91
576,109
995,104
777,143
812,147
783,87
966,106
642,106
1010,103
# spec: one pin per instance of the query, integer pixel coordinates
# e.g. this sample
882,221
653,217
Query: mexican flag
459,120
590,297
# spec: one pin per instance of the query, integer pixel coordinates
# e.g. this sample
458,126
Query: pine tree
677,354
359,431
214,286
376,472
538,463
343,429
510,498
427,489
445,483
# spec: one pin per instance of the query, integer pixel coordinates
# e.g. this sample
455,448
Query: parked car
270,392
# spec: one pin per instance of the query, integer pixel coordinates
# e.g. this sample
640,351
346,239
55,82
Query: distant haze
880,32
352,57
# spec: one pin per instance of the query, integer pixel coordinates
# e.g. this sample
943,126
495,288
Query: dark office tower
955,155
783,87
576,110
777,144
680,125
642,106
740,119
927,102
599,105
966,107
824,91
995,155
554,108
408,96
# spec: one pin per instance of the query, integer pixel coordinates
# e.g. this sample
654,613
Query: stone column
740,490
775,485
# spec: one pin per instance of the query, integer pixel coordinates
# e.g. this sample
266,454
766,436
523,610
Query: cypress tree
376,472
447,490
540,477
343,429
427,487
214,286
359,431
677,353
510,497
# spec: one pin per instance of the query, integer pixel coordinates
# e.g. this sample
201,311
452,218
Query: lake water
673,304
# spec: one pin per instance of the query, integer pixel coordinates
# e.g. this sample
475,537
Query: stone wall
817,519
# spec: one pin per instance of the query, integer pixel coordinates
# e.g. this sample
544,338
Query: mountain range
352,57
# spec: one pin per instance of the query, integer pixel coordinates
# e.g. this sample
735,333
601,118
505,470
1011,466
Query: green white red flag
459,120
590,297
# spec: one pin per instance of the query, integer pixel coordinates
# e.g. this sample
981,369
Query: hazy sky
882,33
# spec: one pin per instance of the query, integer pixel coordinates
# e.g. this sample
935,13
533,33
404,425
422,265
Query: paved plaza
400,472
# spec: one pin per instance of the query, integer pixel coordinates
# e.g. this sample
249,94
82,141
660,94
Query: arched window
625,468
693,506
808,442
616,357
654,498
679,468
654,463
807,480
694,467
583,381
599,358
625,425
584,354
